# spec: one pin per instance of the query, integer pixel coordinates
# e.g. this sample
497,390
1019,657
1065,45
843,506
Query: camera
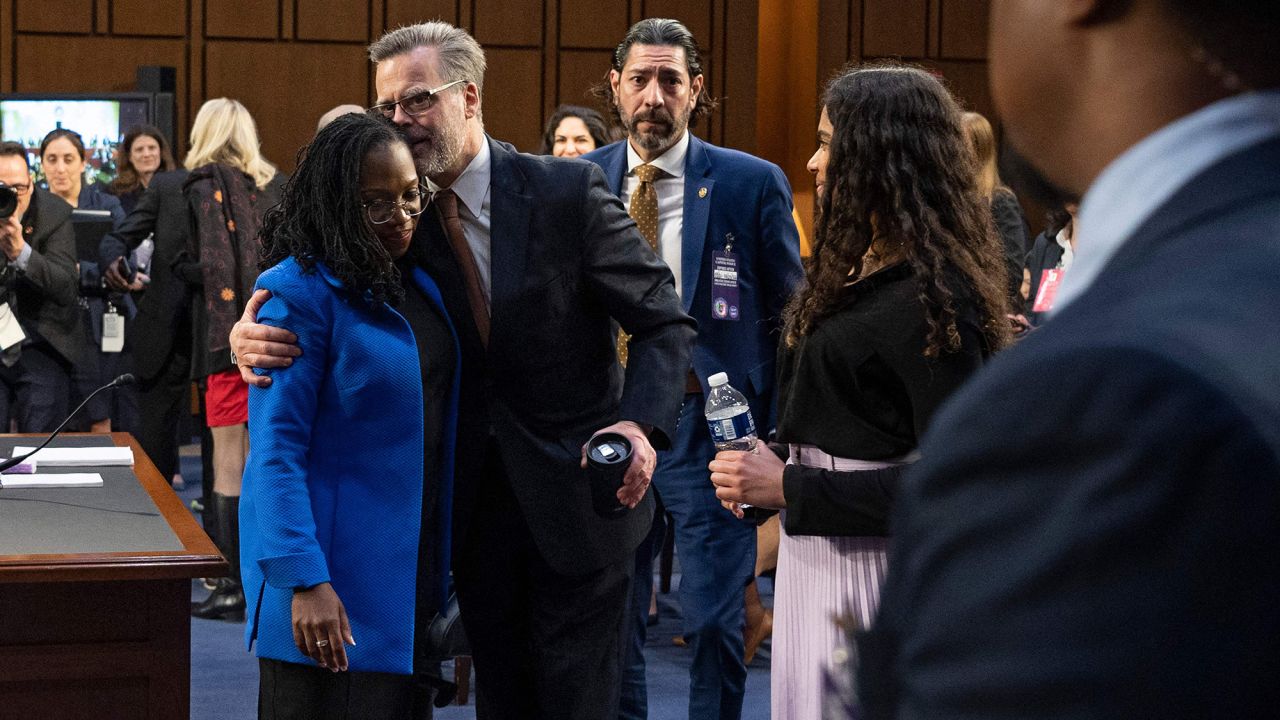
8,201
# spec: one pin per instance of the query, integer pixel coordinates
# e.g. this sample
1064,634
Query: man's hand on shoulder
644,459
261,346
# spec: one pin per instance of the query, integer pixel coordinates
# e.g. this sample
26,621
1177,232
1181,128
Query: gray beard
444,153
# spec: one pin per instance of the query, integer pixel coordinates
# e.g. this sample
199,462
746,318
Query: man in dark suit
39,322
710,209
159,337
536,260
1092,530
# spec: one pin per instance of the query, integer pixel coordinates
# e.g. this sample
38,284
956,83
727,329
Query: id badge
112,331
1050,280
10,331
724,285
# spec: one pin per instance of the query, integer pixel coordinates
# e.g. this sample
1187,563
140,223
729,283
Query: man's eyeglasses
415,103
384,211
20,188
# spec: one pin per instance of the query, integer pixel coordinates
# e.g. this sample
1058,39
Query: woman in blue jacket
344,518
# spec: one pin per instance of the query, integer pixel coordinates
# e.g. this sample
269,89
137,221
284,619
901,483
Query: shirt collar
1136,184
1064,240
472,185
670,162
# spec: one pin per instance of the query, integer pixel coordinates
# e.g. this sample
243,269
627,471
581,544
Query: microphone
120,381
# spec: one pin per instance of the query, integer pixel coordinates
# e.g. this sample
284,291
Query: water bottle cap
718,379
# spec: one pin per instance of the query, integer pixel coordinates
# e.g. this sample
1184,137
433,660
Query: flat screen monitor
101,120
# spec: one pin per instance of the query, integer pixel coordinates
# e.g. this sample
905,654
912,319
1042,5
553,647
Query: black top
436,354
129,200
1012,226
859,386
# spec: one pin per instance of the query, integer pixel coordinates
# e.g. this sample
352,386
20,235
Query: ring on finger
322,643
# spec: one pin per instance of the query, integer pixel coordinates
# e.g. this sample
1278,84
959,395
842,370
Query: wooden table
102,635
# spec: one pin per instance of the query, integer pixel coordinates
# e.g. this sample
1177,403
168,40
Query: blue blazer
333,483
1092,530
727,192
94,197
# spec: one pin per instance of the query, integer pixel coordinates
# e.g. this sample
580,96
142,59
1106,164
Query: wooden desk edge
198,558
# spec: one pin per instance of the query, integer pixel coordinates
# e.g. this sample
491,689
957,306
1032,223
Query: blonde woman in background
230,187
1005,209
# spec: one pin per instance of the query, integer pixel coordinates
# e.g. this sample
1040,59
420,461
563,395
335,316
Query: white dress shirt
1147,175
1063,239
670,190
472,189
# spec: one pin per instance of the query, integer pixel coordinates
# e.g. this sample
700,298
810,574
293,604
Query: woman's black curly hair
900,170
320,217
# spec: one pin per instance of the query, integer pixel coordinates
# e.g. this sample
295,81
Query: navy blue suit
727,194
1092,532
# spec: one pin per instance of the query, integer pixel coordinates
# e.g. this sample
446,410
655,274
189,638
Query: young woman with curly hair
347,490
903,300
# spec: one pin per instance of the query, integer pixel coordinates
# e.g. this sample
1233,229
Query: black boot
226,602
209,519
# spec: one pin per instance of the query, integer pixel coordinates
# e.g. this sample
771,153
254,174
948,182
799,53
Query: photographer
38,320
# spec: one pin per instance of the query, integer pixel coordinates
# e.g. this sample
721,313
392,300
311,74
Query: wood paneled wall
290,60
946,36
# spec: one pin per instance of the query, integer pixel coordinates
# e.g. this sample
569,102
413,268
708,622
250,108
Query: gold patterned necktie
644,210
644,203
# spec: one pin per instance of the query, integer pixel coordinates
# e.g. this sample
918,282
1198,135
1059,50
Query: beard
664,128
436,149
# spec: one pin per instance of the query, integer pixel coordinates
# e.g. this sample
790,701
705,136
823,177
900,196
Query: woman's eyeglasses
381,212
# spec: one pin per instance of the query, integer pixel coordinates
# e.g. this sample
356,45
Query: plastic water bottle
732,428
729,416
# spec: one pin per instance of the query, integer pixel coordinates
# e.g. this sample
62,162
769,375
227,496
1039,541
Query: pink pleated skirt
819,579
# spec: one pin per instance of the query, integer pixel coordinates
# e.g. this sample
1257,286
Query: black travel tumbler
608,456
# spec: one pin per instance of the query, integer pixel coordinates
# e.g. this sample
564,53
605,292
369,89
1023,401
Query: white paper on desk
51,480
100,456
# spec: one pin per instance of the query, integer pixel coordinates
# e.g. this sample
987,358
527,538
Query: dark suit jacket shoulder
1092,529
567,265
47,290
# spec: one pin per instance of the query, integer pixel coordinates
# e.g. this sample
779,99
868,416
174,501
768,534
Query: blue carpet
224,677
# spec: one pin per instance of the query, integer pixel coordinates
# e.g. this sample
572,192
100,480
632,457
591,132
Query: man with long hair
1091,530
709,210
